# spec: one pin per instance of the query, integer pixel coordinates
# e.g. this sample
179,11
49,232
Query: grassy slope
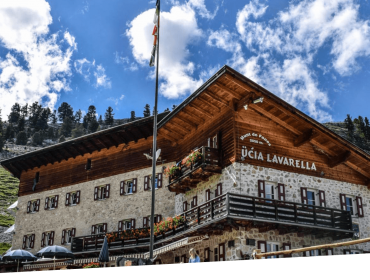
8,195
4,247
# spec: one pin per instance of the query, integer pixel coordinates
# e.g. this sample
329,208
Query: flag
155,34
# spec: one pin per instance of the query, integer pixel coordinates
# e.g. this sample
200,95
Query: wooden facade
215,109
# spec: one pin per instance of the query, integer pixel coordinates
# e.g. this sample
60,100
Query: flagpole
154,150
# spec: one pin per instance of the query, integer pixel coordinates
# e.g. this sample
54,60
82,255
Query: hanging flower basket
194,158
173,171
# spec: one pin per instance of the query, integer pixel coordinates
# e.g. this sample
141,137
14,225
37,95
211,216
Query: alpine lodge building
240,169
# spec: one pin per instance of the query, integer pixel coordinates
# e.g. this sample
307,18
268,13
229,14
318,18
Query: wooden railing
236,207
210,157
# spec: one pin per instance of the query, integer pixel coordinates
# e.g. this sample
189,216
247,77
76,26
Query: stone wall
5,237
89,212
247,177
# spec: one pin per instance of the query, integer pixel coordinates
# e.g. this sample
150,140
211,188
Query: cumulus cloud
37,65
101,79
202,9
92,72
179,29
283,48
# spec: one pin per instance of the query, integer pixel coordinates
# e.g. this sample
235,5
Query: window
212,142
126,224
47,238
88,164
157,182
73,198
28,241
99,228
271,190
272,247
351,252
208,195
146,220
67,235
218,191
352,204
215,254
128,187
221,252
310,198
185,206
51,202
313,197
101,192
207,254
183,259
312,253
37,177
33,206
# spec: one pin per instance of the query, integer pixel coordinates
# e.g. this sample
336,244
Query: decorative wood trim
201,111
227,90
342,158
305,137
215,97
94,145
186,121
202,99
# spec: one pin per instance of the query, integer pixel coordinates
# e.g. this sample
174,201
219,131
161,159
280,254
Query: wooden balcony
230,211
190,175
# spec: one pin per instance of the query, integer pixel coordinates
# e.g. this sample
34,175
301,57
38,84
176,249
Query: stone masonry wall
247,177
89,212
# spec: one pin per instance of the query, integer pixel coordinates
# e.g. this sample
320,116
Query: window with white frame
67,235
352,204
269,190
99,228
28,241
126,224
146,220
272,247
157,182
351,252
313,197
312,253
47,238
33,206
128,187
73,198
101,192
51,202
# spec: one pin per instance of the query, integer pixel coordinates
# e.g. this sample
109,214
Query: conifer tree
66,127
37,138
78,116
132,116
65,110
100,121
21,138
146,111
34,113
109,116
367,129
350,126
21,123
15,113
24,111
53,117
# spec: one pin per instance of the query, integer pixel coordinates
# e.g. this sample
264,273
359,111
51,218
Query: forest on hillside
34,125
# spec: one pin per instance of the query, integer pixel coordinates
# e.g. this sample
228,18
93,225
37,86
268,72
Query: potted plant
91,265
194,157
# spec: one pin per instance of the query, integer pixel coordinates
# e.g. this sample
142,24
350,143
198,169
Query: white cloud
116,100
179,28
202,9
101,79
37,65
125,61
90,72
121,97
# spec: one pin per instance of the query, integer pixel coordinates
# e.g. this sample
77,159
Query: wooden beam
246,100
186,121
77,150
52,156
86,148
305,137
227,90
335,161
201,111
94,145
215,97
69,152
112,140
201,98
59,159
181,124
201,118
102,142
38,162
169,137
23,166
15,168
61,155
120,136
238,82
178,127
172,132
357,169
140,133
44,155
145,136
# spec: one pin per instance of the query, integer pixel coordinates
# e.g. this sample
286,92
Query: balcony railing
191,174
242,208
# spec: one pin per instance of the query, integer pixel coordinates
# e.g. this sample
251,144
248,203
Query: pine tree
167,110
66,127
37,139
78,116
350,126
65,110
21,138
53,117
34,113
78,131
24,111
42,121
9,133
21,123
109,116
132,116
174,107
93,125
15,113
51,133
367,129
89,117
100,121
146,111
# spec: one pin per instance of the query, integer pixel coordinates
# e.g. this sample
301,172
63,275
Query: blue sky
314,54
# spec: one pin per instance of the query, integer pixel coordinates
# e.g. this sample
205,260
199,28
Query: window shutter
24,241
146,183
159,184
96,193
32,241
346,252
73,232
343,205
67,198
56,201
38,205
28,206
262,245
122,188
93,229
208,195
287,246
159,218
133,223
304,196
78,195
206,254
120,226
134,185
218,190
46,203
63,236
51,241
360,210
221,250
43,239
105,227
185,206
322,199
261,188
107,190
281,192
145,222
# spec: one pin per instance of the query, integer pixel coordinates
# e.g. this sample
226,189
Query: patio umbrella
55,252
104,254
19,255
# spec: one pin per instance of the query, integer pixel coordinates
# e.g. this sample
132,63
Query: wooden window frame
65,236
124,186
28,241
30,205
45,239
98,192
49,204
88,165
148,181
69,198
